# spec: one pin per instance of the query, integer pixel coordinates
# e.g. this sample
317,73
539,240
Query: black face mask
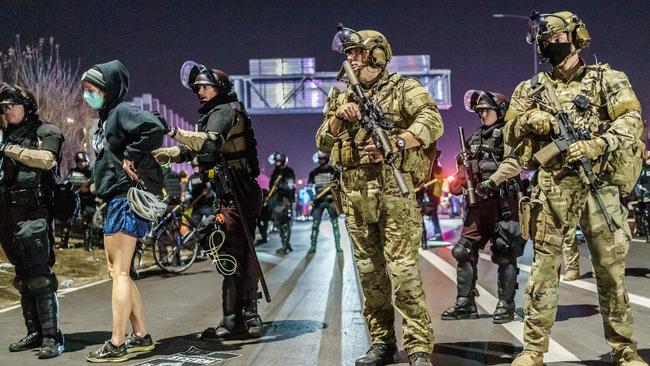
556,52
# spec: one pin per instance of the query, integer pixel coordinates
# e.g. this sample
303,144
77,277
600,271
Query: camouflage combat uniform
384,225
561,198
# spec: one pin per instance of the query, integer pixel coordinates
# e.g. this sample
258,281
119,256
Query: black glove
487,188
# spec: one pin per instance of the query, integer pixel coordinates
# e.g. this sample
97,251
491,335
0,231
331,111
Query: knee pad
501,259
20,284
43,284
461,251
33,239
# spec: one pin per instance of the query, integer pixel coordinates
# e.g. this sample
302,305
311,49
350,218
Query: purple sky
154,38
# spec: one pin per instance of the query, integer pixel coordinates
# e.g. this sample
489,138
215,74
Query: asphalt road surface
315,316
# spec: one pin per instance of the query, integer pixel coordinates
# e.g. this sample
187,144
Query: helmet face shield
346,39
472,98
193,73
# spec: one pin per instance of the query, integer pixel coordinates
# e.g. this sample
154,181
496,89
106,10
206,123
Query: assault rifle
469,173
545,95
376,126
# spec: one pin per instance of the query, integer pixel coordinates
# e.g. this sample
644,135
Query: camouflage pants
386,230
571,252
558,205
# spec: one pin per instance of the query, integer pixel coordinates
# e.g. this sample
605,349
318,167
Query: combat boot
572,274
420,359
51,347
253,320
464,308
229,328
506,287
529,358
379,354
628,357
33,339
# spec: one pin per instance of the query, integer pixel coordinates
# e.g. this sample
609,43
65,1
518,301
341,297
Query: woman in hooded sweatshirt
123,144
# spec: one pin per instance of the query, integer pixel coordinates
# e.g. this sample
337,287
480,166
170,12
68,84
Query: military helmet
81,156
194,74
13,94
346,39
475,100
276,157
542,26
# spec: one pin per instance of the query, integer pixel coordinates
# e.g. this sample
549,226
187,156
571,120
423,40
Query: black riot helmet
278,159
321,158
13,94
476,100
194,74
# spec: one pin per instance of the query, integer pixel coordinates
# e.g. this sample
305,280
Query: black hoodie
125,132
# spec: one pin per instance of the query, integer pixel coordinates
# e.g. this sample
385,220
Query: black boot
253,320
507,286
47,305
379,354
52,346
420,359
232,326
464,308
33,338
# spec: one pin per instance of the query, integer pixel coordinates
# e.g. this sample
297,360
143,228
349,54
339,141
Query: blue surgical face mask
94,99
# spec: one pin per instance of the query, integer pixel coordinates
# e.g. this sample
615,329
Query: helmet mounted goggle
541,26
346,39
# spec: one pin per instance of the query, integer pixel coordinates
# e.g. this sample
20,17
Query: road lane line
556,353
585,285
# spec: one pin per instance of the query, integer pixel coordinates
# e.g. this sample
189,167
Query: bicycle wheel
172,254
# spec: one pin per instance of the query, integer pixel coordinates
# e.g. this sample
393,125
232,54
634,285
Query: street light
535,62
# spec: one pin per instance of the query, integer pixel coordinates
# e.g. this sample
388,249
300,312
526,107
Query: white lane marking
556,353
585,285
62,291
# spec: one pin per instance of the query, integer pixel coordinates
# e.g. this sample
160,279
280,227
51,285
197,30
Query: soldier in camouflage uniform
560,198
384,225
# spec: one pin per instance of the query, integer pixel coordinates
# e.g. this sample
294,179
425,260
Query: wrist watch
399,141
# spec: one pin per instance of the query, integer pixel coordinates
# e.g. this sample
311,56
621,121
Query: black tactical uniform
202,197
30,154
321,179
282,199
226,135
641,194
496,207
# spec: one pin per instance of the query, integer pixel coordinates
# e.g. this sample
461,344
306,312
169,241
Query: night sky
153,39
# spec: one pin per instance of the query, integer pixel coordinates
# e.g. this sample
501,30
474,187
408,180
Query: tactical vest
323,177
24,177
486,148
240,147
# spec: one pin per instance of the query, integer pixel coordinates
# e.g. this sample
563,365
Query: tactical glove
487,188
590,149
540,123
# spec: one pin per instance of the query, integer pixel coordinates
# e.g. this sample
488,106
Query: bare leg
119,251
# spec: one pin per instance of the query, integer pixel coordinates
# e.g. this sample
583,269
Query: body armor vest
22,176
486,148
239,147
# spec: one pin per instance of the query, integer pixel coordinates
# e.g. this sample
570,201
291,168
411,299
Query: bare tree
56,86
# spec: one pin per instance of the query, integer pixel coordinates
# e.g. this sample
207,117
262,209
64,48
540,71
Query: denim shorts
120,218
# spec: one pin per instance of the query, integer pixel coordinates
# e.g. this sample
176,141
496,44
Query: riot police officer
282,195
81,178
225,137
30,151
581,184
321,179
384,224
492,168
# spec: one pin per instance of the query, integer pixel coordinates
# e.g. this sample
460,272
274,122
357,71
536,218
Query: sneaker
32,340
109,353
136,343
